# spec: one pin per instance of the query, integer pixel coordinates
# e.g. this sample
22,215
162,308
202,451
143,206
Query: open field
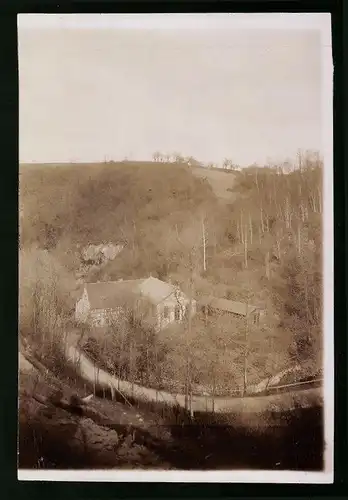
222,182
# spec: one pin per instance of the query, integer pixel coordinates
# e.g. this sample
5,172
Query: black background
9,256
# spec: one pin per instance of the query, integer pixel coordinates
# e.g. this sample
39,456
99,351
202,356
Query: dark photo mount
188,432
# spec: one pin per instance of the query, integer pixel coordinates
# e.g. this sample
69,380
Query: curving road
256,405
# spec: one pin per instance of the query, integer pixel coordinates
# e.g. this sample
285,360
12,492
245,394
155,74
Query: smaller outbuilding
210,305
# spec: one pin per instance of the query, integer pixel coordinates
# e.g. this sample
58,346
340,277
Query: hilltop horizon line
226,164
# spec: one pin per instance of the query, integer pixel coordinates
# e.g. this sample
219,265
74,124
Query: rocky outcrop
95,257
98,254
61,432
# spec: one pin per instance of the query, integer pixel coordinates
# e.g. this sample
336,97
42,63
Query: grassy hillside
222,181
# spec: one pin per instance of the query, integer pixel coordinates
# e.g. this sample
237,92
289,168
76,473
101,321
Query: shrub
43,303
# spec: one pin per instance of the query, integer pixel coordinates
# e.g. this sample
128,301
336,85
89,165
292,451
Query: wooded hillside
263,246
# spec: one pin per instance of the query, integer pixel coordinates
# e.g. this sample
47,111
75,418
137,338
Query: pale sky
95,87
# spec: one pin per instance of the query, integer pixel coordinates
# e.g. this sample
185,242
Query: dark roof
105,295
231,306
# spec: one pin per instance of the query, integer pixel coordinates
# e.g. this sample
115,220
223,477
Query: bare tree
44,307
245,356
227,164
204,242
178,157
156,156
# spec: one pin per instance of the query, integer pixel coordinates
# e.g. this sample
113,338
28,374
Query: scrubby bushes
74,202
44,304
129,350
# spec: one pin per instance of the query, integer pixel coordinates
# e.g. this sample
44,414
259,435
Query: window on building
166,312
256,318
177,313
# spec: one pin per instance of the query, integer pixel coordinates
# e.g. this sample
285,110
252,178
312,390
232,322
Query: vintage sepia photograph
175,247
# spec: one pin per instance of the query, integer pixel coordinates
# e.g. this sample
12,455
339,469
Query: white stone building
157,302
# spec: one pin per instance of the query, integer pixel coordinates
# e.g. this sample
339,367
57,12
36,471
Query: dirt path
256,405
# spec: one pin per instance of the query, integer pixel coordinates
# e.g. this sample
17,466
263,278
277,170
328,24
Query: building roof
155,290
105,295
228,305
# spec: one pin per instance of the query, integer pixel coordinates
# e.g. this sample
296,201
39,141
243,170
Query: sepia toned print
171,206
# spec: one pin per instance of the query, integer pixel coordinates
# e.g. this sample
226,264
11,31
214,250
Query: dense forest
263,246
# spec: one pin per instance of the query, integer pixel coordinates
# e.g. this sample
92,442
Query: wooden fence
278,398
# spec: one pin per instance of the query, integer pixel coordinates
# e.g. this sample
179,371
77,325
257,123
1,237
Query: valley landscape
172,187
258,250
